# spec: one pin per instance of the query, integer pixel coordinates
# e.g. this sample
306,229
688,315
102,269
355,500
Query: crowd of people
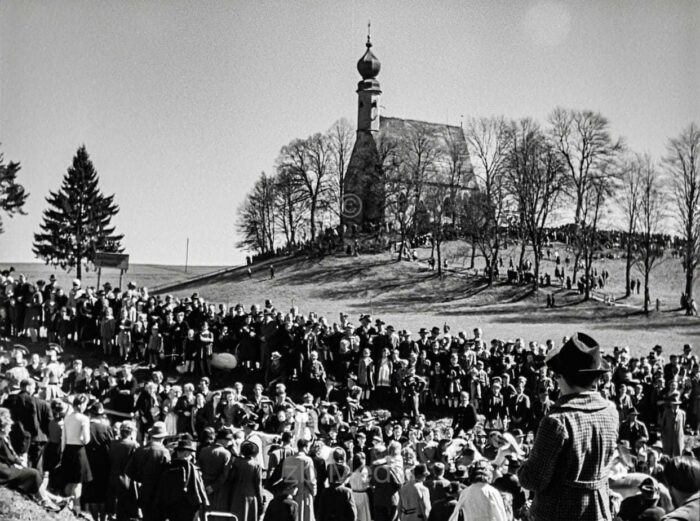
125,405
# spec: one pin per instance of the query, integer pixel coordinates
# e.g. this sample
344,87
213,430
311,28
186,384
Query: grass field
409,296
149,275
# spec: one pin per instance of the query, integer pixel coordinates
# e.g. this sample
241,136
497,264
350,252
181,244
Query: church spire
369,65
368,89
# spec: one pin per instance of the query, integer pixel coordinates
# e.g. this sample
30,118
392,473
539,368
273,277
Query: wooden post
121,274
187,253
99,276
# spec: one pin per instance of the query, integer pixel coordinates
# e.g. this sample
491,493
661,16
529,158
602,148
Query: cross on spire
369,27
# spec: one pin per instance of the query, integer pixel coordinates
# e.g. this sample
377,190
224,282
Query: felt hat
674,398
649,486
188,445
579,355
158,430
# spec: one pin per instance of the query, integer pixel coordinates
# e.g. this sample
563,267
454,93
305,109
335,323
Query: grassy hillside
409,295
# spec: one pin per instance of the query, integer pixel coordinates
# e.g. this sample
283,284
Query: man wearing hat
632,507
214,461
180,493
632,429
568,465
414,497
146,466
673,425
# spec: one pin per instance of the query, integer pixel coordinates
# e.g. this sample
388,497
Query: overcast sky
182,104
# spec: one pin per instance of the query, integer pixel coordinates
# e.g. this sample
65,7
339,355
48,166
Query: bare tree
682,165
290,207
308,162
652,209
535,176
417,153
487,139
341,138
583,139
628,201
256,223
438,204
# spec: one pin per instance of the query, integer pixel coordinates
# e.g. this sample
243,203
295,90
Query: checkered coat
568,466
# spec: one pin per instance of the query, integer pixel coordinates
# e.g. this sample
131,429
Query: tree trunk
689,272
587,265
628,266
439,258
79,269
523,244
646,291
403,244
536,281
312,215
577,258
471,266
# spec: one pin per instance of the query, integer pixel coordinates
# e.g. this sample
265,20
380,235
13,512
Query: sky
181,105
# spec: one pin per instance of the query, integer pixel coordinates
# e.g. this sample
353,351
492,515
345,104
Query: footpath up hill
409,295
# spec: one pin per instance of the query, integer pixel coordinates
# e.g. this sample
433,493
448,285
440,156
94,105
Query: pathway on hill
214,275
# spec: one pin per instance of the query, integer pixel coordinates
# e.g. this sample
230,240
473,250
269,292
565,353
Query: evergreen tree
77,221
12,194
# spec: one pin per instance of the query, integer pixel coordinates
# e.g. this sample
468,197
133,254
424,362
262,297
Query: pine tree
77,221
12,194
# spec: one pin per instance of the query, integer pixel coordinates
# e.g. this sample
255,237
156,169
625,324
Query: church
365,204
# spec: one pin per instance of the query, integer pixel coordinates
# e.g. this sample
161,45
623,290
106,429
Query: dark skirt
75,466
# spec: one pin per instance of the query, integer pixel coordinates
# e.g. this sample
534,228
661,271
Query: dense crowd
160,407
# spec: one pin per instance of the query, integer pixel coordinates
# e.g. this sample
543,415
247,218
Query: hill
410,296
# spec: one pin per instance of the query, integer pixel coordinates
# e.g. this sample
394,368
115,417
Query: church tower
368,91
364,193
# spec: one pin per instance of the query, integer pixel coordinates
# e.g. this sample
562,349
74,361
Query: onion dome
369,65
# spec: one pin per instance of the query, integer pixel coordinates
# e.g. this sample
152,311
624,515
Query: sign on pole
118,261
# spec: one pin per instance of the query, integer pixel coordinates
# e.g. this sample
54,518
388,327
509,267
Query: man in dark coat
438,486
38,443
22,407
214,462
282,507
387,479
146,467
180,493
121,490
568,466
336,502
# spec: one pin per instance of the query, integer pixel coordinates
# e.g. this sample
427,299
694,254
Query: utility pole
187,253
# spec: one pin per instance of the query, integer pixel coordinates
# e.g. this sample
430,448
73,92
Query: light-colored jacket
480,502
414,502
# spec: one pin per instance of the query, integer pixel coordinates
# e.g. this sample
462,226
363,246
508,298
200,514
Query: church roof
448,136
402,124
